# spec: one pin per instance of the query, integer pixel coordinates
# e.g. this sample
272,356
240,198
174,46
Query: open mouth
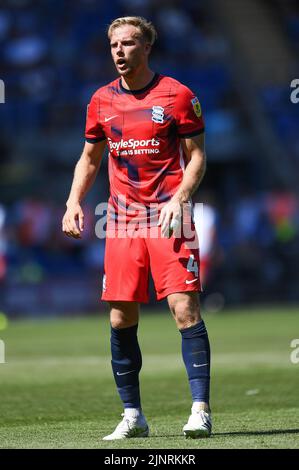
121,62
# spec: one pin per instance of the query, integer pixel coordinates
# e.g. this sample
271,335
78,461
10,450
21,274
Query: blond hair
147,29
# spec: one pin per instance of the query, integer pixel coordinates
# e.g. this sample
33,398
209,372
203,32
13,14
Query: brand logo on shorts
104,283
158,114
190,282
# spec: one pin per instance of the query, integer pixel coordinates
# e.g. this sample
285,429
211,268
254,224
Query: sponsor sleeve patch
196,107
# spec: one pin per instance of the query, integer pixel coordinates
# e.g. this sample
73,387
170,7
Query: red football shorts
173,262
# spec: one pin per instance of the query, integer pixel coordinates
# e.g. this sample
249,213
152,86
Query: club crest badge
158,114
196,106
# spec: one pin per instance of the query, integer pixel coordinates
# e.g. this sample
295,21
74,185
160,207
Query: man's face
129,52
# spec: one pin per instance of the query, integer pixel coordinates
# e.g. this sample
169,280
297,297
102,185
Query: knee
121,324
120,321
122,317
117,323
185,311
185,317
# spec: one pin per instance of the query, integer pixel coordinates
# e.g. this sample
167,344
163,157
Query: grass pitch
57,389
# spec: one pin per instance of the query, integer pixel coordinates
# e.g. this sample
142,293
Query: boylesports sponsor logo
132,143
134,146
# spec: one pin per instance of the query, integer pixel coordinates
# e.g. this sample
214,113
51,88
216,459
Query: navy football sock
126,364
196,356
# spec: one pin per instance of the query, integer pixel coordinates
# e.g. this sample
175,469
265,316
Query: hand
172,211
73,221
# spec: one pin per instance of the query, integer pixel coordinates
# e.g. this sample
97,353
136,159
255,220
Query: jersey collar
141,90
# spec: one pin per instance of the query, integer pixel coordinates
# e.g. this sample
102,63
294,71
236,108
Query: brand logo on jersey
158,114
111,117
132,144
196,106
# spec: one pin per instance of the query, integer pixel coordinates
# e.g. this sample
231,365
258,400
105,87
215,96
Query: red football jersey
143,130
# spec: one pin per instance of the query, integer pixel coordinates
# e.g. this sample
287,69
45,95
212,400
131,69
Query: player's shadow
257,433
241,433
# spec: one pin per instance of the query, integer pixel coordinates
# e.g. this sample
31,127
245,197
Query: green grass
57,389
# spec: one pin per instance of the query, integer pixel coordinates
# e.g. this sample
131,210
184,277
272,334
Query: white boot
129,427
199,424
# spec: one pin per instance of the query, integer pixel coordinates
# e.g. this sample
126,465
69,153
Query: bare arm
84,176
195,170
194,149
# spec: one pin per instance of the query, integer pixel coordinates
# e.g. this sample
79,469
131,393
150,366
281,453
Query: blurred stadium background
238,56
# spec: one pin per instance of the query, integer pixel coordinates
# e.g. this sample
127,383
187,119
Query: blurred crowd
248,247
53,55
283,114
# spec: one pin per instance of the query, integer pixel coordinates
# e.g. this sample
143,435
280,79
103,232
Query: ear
147,48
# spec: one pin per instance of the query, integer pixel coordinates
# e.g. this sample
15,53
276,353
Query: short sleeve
93,130
188,113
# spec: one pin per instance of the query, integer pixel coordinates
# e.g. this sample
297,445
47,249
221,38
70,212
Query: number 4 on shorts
192,266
